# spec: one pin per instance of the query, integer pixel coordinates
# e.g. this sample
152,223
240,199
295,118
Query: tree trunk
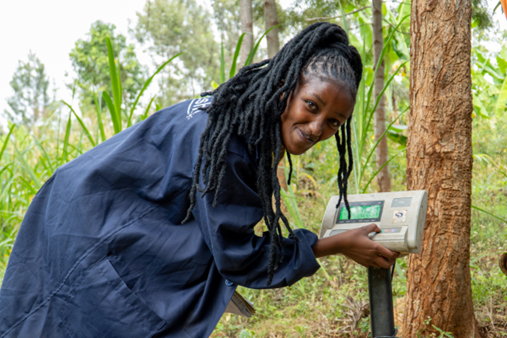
439,160
381,152
246,27
271,18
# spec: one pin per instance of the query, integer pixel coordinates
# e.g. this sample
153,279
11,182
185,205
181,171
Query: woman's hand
356,245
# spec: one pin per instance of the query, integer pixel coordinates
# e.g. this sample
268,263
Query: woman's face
315,111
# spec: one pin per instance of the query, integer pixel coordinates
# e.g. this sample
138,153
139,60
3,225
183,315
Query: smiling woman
315,112
149,233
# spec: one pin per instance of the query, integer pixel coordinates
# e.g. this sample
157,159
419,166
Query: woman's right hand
356,245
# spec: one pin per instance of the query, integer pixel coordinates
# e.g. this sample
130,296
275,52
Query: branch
337,16
390,24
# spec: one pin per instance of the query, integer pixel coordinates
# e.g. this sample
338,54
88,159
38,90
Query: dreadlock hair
250,105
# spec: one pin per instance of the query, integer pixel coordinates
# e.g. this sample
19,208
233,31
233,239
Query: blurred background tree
90,62
169,27
481,17
30,84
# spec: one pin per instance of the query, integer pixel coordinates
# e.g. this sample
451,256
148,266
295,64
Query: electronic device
400,215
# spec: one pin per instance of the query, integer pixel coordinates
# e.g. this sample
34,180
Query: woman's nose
317,127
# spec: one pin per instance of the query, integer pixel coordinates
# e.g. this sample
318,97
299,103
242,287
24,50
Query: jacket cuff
306,264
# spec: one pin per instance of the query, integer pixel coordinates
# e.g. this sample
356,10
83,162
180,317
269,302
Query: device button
401,202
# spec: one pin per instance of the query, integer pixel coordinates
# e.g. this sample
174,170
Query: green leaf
87,132
344,20
397,137
46,156
222,63
115,82
289,198
404,10
382,167
120,89
28,169
145,115
112,112
253,51
481,109
389,126
370,115
145,86
98,108
502,98
236,54
66,140
29,185
502,64
398,128
4,146
381,58
490,214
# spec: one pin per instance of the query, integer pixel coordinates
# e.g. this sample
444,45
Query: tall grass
28,157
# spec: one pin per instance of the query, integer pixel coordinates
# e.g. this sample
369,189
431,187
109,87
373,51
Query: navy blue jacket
102,252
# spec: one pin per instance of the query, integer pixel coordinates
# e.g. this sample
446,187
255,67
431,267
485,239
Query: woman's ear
288,98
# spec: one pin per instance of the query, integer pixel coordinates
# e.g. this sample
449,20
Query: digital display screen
361,212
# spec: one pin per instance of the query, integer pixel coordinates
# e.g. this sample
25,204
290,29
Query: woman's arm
356,245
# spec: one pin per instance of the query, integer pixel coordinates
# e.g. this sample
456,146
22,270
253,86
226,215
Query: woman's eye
335,123
311,105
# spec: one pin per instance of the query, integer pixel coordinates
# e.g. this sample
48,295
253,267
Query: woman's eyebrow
343,116
318,99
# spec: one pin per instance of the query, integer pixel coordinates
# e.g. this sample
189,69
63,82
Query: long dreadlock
250,105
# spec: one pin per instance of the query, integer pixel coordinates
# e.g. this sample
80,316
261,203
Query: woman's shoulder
187,110
184,123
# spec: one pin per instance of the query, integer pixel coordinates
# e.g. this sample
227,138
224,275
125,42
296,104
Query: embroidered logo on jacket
196,104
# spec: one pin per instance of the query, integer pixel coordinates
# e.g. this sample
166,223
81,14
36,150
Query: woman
149,233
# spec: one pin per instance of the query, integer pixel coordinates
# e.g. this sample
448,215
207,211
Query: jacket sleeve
240,255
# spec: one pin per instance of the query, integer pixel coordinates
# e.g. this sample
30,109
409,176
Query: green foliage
365,107
30,84
306,12
170,27
489,88
248,61
91,62
115,104
227,19
481,18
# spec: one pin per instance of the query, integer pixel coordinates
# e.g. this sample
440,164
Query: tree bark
381,152
439,160
271,18
246,27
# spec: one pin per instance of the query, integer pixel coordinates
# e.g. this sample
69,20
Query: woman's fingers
356,245
384,263
371,228
383,251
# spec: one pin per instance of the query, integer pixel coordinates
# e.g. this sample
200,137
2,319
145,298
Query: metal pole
381,303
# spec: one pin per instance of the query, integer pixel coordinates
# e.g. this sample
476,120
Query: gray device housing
402,217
